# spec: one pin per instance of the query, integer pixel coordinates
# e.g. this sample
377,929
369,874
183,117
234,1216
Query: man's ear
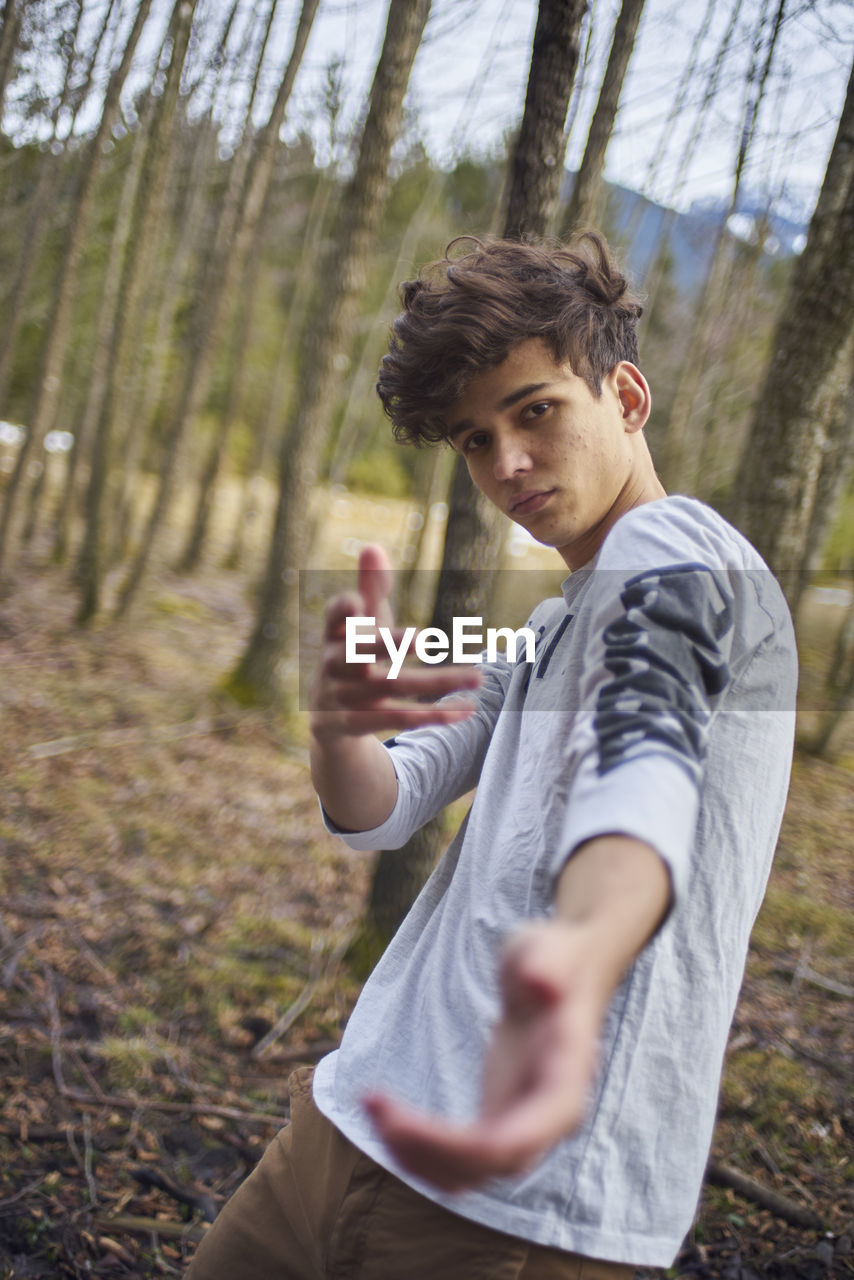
634,394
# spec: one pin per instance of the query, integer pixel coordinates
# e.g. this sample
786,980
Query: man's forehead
527,368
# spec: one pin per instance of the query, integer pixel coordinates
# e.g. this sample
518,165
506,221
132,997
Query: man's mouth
529,501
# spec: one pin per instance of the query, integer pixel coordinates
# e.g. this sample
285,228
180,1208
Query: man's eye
537,410
475,441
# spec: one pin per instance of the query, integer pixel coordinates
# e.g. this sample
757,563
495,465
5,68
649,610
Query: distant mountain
692,234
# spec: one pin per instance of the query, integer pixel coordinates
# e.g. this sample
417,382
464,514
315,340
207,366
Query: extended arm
557,978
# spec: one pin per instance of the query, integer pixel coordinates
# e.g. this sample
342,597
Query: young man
527,1086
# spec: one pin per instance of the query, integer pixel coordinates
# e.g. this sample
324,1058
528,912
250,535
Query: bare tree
809,371
318,224
116,333
537,164
230,251
657,269
9,29
144,396
679,444
59,327
342,277
320,218
249,274
583,204
675,112
44,197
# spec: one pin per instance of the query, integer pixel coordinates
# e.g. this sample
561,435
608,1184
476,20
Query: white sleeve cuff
651,798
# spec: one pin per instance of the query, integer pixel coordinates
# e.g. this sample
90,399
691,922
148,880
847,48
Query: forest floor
172,932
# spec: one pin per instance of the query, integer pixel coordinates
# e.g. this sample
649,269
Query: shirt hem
499,1215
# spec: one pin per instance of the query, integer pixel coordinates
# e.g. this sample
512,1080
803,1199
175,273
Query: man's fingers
451,1156
372,679
375,693
397,715
375,580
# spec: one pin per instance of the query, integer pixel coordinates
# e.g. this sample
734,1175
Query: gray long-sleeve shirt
660,705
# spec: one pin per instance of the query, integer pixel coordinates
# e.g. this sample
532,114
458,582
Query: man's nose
511,456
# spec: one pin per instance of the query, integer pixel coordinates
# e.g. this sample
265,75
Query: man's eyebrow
507,402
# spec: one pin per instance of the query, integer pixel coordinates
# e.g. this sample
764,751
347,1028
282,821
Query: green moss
364,952
135,1019
262,936
787,917
768,1087
128,1059
247,983
182,607
240,690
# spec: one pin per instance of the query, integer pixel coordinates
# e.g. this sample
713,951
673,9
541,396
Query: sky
468,85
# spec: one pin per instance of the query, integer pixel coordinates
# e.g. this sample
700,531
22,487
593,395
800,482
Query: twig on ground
723,1175
792,1049
305,997
18,948
87,1160
20,1195
828,984
198,1200
803,972
109,1245
142,1226
172,1108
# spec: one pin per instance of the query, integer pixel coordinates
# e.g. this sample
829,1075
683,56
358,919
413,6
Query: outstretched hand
538,1072
358,698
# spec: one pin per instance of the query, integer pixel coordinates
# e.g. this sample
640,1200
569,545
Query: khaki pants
316,1208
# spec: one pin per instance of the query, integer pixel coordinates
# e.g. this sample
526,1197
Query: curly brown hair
464,314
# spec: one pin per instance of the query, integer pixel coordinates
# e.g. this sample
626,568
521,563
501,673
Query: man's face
559,460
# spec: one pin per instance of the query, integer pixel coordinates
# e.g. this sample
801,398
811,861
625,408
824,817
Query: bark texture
581,210
59,326
681,440
342,277
234,238
117,323
778,482
537,165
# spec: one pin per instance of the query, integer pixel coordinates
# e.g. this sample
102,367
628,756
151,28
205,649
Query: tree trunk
107,324
9,30
145,396
51,172
583,204
781,463
226,267
256,677
278,399
116,358
59,329
687,84
398,878
834,474
241,336
475,534
656,271
189,558
537,165
680,439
